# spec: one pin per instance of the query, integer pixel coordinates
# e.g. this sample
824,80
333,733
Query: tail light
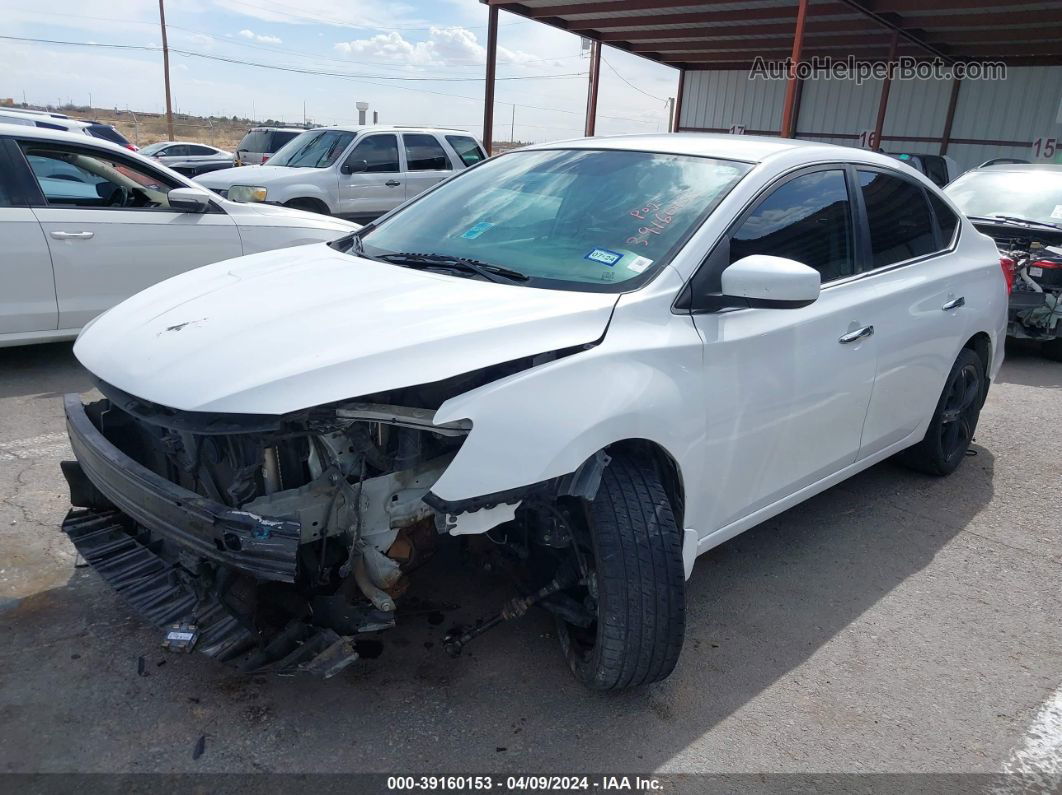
264,158
132,147
1047,264
1007,264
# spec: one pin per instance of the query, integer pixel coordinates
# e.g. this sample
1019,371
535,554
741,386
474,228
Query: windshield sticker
476,230
604,256
1057,213
639,264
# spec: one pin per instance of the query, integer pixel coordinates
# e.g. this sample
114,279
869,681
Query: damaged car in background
1019,206
601,358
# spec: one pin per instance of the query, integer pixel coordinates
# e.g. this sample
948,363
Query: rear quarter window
467,149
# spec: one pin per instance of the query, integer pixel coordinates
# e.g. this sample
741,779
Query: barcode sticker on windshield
639,264
476,230
604,256
1057,212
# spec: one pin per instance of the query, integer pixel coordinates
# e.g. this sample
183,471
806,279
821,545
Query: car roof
356,128
183,143
746,148
283,129
46,134
1026,167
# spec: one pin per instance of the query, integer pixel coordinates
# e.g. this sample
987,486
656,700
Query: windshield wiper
1014,219
462,264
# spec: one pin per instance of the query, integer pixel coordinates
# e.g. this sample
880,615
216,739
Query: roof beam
758,46
985,20
760,34
762,29
972,7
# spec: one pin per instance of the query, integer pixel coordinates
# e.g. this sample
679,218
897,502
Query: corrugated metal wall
1025,106
717,100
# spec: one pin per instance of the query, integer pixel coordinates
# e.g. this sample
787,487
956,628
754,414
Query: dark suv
260,143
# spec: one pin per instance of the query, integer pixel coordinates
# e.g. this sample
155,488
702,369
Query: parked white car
60,121
353,172
171,153
607,355
86,223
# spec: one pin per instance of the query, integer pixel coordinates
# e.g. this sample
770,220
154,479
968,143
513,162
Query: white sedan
86,224
608,355
171,153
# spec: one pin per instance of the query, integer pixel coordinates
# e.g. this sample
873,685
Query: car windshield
316,149
569,218
151,149
1031,194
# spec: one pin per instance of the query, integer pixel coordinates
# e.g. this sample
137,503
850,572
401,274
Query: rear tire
638,583
1052,349
952,428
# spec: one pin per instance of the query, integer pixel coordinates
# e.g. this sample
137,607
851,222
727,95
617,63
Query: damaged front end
267,542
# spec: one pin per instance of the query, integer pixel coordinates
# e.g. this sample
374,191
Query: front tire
637,582
952,428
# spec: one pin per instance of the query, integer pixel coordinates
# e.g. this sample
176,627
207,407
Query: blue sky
366,41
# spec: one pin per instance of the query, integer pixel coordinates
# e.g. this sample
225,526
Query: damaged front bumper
147,538
266,548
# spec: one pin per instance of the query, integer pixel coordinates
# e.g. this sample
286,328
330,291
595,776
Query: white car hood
294,328
252,175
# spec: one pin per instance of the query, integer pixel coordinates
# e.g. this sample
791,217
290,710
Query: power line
295,69
628,82
366,79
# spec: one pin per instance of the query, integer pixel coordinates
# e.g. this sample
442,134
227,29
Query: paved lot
895,623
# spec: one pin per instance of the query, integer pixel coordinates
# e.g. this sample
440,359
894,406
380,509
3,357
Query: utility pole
166,69
512,128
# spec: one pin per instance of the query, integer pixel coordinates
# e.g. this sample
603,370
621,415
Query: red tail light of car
264,158
1007,264
132,147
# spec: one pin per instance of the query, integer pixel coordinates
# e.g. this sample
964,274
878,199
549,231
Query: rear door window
901,225
467,149
424,153
107,133
195,149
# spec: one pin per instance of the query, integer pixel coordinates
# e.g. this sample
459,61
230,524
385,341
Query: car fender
545,422
281,194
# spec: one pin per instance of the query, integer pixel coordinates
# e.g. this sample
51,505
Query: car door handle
72,235
954,303
392,183
858,334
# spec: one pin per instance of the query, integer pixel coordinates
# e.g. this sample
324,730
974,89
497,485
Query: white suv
353,172
86,224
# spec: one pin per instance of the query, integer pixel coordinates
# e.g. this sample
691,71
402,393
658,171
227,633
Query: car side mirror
769,282
355,166
189,200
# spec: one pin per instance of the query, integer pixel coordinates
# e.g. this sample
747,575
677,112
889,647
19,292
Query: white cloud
444,47
259,37
365,14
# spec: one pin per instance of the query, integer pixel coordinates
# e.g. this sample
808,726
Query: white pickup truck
353,172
